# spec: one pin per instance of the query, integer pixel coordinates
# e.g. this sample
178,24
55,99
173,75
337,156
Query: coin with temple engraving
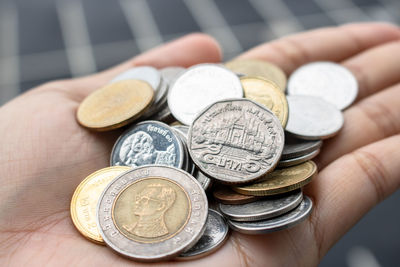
236,141
281,180
152,213
85,199
148,142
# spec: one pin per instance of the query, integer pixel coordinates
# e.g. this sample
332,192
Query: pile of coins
226,130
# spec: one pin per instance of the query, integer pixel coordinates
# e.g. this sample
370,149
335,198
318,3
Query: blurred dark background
44,40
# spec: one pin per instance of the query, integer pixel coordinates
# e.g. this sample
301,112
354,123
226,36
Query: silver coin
236,141
214,236
164,115
203,179
160,99
282,222
183,129
200,86
144,73
152,213
296,161
327,80
295,147
170,74
148,142
312,118
264,208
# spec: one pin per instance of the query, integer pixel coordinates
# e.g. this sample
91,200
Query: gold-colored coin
268,94
151,210
84,201
115,105
281,180
254,67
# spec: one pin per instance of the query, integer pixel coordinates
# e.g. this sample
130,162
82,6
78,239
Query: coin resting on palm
85,198
115,105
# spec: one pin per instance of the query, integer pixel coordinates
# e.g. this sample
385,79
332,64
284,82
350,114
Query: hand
45,154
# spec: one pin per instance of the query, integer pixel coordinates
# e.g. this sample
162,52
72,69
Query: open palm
45,154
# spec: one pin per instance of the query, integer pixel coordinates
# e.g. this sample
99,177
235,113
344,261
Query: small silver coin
214,236
200,86
144,73
152,213
327,80
264,208
170,74
236,141
203,179
148,142
282,222
296,161
313,118
295,147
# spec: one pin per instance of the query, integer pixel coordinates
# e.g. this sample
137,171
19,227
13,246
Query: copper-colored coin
281,180
225,195
254,67
84,201
115,105
268,94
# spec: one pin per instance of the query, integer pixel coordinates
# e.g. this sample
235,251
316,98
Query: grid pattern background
51,39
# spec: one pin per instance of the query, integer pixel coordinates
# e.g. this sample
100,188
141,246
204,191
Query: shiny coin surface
85,199
236,141
183,129
203,179
214,236
152,213
282,222
164,115
312,118
263,208
224,194
170,74
115,105
148,142
281,180
145,73
327,80
295,147
160,99
267,94
200,86
299,160
254,67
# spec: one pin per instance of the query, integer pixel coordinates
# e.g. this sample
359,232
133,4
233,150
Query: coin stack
230,130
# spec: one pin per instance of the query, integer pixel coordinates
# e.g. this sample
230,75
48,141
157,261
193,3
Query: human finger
350,186
376,68
191,49
332,44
